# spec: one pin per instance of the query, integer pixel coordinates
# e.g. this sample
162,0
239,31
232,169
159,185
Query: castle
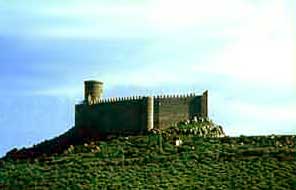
136,114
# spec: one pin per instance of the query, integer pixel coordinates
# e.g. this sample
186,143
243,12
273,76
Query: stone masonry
136,114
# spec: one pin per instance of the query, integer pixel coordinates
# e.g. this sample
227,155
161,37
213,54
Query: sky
242,51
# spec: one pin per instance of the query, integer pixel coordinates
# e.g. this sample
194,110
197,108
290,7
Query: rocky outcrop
202,127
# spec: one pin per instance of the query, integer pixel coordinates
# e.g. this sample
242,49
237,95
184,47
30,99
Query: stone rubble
203,127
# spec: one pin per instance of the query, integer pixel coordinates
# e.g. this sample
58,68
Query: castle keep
135,114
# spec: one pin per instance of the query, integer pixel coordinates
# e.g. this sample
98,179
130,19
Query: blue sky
242,51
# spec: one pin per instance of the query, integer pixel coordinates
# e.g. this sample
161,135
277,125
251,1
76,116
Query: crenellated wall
113,115
136,114
172,109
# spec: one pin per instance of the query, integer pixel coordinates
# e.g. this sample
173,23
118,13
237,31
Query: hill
159,160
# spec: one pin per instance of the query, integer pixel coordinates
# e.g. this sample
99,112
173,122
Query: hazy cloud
242,51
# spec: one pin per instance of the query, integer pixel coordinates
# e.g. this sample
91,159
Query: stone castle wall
110,116
129,115
171,110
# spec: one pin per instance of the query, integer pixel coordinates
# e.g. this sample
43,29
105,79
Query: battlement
115,100
136,114
175,97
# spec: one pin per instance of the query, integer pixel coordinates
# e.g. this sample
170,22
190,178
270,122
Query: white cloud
259,62
170,15
96,19
263,52
259,49
159,17
255,116
257,112
252,119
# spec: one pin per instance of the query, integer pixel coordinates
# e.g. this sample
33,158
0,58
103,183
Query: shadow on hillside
57,145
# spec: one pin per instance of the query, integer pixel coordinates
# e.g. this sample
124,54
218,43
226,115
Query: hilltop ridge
157,162
191,155
202,127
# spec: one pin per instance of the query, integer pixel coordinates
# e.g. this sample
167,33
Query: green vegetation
192,155
155,162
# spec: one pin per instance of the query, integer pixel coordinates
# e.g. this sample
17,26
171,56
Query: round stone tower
93,91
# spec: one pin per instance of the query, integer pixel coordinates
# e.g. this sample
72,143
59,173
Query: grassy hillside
154,162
